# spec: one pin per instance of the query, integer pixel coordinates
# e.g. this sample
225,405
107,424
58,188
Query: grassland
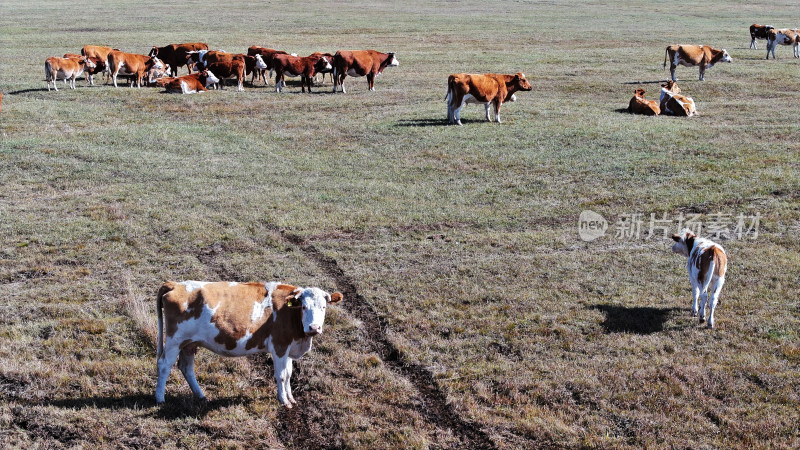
474,314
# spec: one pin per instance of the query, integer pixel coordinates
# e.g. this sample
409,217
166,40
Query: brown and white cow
640,105
122,63
490,88
266,55
694,55
707,265
174,55
190,84
99,52
303,66
674,104
56,68
324,71
783,36
359,63
237,319
225,66
99,66
758,32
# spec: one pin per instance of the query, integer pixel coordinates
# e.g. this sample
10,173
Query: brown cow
65,68
783,36
304,67
638,105
99,66
323,72
132,64
758,32
174,55
694,55
223,62
266,55
493,88
100,52
359,63
190,84
673,104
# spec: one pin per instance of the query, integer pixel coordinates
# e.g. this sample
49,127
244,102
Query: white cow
707,265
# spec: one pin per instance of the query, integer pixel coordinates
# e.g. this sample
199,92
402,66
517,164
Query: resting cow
303,66
784,37
65,69
706,265
674,104
640,105
190,84
694,55
122,63
758,32
237,319
359,63
488,89
174,55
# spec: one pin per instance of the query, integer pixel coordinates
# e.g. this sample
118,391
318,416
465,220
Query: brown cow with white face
237,319
758,32
122,63
89,73
189,84
784,36
707,265
490,88
266,55
640,105
99,52
674,104
65,69
294,66
694,55
359,63
174,55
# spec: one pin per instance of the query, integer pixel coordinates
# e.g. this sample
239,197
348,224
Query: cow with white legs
784,36
237,319
359,63
758,32
56,68
706,265
672,103
122,63
489,89
702,56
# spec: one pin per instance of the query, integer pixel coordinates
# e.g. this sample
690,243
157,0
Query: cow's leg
695,297
241,83
288,386
702,73
165,363
186,365
371,81
701,315
281,377
770,46
341,83
488,106
672,71
72,81
716,289
753,44
796,50
497,104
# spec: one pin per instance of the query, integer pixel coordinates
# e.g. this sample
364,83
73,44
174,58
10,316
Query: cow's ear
676,238
690,235
336,297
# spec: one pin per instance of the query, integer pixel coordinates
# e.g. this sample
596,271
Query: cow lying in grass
707,265
639,105
237,319
674,104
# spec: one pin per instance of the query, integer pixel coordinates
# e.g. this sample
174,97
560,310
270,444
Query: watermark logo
591,225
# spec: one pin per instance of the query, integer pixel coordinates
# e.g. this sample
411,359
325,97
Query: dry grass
474,314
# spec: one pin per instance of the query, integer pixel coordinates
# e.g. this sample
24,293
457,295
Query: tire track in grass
435,407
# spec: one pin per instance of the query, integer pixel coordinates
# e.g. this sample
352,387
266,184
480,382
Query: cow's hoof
288,405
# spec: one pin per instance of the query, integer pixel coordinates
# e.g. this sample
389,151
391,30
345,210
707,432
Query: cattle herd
236,319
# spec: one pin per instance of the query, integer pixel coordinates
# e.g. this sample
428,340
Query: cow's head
393,62
154,73
521,82
209,77
313,302
683,242
639,93
89,63
671,86
154,63
725,56
153,51
323,64
260,64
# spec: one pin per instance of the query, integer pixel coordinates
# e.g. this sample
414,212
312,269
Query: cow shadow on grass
174,407
636,320
433,122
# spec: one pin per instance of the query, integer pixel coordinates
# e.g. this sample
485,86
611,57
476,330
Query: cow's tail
48,71
160,312
666,53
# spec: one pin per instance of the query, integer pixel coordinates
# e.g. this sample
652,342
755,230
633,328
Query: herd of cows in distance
237,319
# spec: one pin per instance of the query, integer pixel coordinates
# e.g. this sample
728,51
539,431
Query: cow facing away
702,56
488,89
65,69
640,105
758,32
706,265
359,63
674,104
783,37
237,319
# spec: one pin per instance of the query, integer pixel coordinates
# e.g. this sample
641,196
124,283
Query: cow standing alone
707,265
359,63
694,55
490,88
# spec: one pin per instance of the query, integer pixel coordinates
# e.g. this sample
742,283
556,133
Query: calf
304,67
359,63
122,63
758,32
671,103
237,319
702,56
190,84
490,88
174,55
784,37
100,66
707,265
639,105
65,68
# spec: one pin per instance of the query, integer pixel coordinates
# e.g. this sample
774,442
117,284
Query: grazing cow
707,264
266,55
304,67
101,53
359,63
784,37
99,66
694,55
174,55
190,84
639,105
65,68
490,88
758,32
673,104
122,63
237,319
